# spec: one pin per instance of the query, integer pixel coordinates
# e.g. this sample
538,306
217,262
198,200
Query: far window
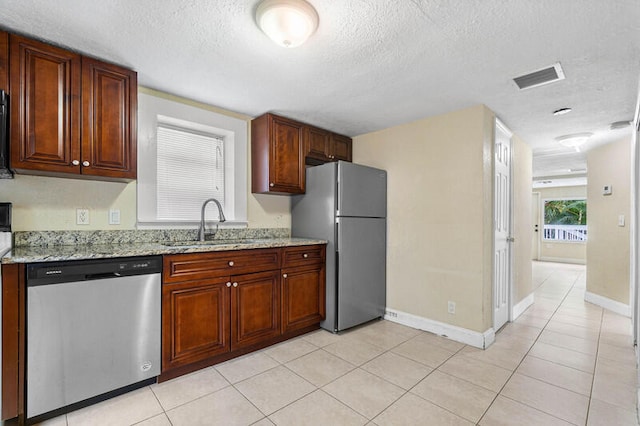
565,220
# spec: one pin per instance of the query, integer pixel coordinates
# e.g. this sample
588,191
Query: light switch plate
114,216
621,220
607,190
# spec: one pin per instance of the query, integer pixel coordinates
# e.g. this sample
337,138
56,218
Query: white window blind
190,169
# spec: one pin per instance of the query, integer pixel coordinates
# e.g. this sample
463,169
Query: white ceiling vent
540,77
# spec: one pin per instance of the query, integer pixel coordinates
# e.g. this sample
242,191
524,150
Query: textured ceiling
373,64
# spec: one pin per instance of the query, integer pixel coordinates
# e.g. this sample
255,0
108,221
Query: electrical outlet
451,307
82,216
114,216
392,314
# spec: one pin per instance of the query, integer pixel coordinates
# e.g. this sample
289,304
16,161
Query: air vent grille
540,77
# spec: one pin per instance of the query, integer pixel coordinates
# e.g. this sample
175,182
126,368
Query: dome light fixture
575,140
287,22
562,111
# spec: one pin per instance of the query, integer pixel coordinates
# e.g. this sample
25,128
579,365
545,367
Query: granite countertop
79,246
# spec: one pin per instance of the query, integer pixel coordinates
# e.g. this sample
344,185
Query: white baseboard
611,305
521,306
459,334
563,260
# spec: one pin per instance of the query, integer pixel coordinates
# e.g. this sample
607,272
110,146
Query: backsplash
65,238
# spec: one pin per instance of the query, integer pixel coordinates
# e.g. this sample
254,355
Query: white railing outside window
574,233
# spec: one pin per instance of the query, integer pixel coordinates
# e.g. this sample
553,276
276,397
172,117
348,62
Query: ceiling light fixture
562,111
287,22
619,125
575,140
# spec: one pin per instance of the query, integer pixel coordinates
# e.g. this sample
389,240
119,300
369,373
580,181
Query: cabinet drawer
303,255
193,266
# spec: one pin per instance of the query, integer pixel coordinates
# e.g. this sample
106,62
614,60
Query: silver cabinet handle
228,284
85,163
284,275
305,255
235,284
231,263
272,184
75,162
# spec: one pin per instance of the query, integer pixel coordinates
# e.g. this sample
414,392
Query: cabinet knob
272,184
85,163
284,275
235,284
231,263
305,255
229,284
75,162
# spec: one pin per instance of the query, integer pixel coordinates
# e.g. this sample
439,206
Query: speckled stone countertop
55,246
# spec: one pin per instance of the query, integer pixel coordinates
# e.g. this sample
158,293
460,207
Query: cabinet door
303,297
255,308
286,165
4,61
109,113
45,107
340,147
316,145
195,321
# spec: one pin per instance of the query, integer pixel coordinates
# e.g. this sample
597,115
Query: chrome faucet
202,232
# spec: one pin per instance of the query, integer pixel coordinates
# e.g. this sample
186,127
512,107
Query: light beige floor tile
614,370
321,338
573,330
593,324
443,342
263,422
320,367
558,402
411,410
556,374
603,414
422,351
616,339
531,321
130,408
514,343
226,407
397,369
159,420
496,355
273,389
362,391
247,366
56,421
354,351
563,356
290,350
480,373
394,327
317,409
577,344
187,388
519,330
616,353
507,412
384,337
456,395
615,392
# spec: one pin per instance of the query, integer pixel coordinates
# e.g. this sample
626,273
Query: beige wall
564,252
44,203
439,221
522,221
609,244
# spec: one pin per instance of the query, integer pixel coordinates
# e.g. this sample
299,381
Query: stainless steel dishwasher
93,329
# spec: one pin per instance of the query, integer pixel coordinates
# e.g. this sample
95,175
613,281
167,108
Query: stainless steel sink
191,244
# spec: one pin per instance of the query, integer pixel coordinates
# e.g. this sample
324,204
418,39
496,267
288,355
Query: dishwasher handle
103,276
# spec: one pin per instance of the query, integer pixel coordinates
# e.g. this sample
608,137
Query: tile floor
564,361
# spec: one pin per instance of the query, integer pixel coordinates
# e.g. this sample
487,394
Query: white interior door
502,226
535,217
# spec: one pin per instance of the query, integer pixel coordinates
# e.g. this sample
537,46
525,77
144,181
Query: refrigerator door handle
336,238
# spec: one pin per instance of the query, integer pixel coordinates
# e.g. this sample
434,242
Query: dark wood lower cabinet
303,294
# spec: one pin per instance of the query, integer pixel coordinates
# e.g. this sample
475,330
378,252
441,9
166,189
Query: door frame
536,220
499,124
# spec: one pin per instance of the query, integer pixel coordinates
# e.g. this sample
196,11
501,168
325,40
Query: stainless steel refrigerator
346,204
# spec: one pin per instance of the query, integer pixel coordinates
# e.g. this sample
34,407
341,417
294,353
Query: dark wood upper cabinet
4,60
109,111
277,155
72,116
340,147
316,145
45,107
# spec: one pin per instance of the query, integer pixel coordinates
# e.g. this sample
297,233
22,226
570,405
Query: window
185,156
565,220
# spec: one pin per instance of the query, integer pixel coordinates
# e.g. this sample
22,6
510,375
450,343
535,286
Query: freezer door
361,270
362,191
